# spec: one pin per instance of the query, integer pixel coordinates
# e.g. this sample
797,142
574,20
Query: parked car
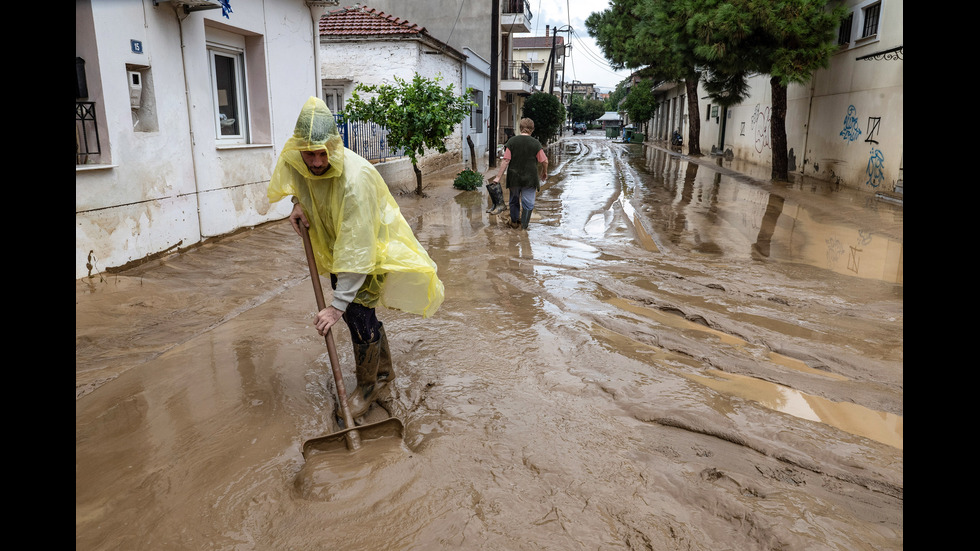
579,128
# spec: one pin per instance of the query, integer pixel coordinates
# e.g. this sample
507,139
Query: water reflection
883,427
707,212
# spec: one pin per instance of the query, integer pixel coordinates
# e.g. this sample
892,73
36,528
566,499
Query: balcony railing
367,139
516,6
86,132
518,70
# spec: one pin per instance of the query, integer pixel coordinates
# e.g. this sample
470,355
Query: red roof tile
361,20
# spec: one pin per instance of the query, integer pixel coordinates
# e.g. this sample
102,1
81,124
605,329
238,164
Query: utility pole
494,75
554,44
564,50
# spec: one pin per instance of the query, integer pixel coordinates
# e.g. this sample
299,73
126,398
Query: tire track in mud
691,338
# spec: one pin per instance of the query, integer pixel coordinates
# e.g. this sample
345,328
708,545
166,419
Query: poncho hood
355,223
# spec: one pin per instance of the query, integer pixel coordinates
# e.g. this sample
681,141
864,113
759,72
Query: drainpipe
806,134
190,119
317,10
494,76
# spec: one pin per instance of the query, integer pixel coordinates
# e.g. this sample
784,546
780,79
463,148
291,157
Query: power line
601,62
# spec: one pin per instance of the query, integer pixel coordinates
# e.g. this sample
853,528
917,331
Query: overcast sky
586,63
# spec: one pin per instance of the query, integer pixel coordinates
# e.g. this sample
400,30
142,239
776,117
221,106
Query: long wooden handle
353,438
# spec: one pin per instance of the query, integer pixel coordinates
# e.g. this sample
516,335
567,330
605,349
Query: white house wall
845,126
670,114
476,75
168,184
143,202
747,132
379,62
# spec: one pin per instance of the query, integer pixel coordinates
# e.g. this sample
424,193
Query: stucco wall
163,181
390,59
846,125
476,74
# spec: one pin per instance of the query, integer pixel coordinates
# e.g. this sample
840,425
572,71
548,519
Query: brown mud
675,355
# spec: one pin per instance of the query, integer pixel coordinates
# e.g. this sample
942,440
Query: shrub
468,180
548,115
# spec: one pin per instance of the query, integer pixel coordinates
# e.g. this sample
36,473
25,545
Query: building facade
484,31
181,109
545,57
845,125
397,48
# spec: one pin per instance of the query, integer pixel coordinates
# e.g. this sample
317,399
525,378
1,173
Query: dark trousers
361,320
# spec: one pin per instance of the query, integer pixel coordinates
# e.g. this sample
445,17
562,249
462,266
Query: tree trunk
469,142
418,180
777,131
693,114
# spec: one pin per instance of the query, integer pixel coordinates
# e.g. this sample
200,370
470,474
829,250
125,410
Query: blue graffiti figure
851,129
876,170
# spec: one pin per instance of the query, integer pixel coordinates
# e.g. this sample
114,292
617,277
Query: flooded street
674,355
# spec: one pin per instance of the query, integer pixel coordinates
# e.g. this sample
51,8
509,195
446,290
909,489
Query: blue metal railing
367,139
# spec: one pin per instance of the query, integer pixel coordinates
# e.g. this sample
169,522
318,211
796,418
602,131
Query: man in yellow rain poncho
359,237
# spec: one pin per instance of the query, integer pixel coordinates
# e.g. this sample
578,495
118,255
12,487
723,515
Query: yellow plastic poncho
355,224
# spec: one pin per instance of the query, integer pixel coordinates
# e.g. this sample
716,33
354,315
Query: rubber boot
386,373
374,372
525,218
497,195
492,201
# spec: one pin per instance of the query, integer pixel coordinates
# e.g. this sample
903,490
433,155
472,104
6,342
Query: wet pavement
677,354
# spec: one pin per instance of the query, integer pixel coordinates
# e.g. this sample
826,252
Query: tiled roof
361,20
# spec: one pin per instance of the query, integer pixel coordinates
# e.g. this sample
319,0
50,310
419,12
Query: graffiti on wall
760,123
876,160
852,128
876,168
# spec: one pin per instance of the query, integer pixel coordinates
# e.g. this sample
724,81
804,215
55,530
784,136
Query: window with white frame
228,92
238,73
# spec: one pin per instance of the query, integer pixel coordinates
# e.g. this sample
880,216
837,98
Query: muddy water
673,356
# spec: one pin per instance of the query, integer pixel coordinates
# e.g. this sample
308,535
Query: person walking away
526,166
359,238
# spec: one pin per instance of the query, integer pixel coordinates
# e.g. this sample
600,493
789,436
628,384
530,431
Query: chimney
546,29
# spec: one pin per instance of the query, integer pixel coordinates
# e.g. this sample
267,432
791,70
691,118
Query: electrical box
135,88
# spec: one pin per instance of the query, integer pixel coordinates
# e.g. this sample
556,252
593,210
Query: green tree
618,95
576,108
785,39
651,36
418,115
585,110
594,109
548,115
640,104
